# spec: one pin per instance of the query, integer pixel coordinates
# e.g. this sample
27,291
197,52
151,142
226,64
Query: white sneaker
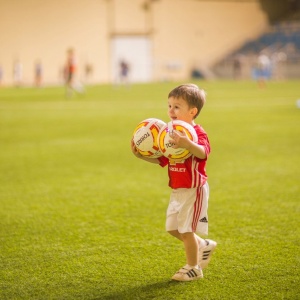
188,274
206,252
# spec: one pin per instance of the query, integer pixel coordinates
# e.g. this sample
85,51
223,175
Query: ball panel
143,138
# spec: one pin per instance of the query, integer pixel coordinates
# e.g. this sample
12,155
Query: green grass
82,218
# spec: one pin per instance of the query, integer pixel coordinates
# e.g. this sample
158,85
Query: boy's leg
191,248
205,249
191,271
189,239
179,215
176,234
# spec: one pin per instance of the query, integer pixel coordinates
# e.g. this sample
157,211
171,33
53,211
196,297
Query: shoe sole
191,275
192,279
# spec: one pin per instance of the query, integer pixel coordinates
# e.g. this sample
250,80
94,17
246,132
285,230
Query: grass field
82,218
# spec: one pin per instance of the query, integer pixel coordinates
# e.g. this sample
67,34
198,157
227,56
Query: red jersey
191,172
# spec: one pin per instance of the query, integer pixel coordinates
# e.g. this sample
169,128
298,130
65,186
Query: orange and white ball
145,137
166,147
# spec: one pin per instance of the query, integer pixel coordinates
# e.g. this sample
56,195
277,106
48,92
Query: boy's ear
194,111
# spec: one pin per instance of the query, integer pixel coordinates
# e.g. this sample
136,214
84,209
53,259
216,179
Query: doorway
136,51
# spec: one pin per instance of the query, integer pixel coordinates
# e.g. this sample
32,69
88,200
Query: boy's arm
182,141
196,150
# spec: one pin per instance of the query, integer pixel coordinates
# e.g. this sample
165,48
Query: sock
191,267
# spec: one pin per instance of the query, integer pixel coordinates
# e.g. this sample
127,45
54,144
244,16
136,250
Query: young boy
187,210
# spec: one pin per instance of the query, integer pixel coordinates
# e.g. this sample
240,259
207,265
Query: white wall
43,30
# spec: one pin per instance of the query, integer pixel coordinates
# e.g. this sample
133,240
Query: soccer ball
166,147
145,137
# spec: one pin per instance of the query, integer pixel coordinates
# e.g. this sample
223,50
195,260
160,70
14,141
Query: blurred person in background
237,67
263,69
1,75
88,71
17,73
38,74
124,72
70,70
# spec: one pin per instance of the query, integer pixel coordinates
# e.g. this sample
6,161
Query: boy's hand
134,149
180,139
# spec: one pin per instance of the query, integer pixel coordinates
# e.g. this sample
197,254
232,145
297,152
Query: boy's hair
191,93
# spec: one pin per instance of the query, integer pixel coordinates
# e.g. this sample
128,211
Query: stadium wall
182,34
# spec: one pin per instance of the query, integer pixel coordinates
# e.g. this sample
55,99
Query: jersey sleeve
163,161
203,139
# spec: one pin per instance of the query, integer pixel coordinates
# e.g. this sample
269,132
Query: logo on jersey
175,169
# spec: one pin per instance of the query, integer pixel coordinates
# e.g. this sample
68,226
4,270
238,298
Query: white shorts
187,210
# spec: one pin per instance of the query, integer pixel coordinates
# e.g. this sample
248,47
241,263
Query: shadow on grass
150,291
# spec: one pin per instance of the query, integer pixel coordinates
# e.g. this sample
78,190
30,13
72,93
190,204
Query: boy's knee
173,232
187,235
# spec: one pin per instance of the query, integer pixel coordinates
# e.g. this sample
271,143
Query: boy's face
178,109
